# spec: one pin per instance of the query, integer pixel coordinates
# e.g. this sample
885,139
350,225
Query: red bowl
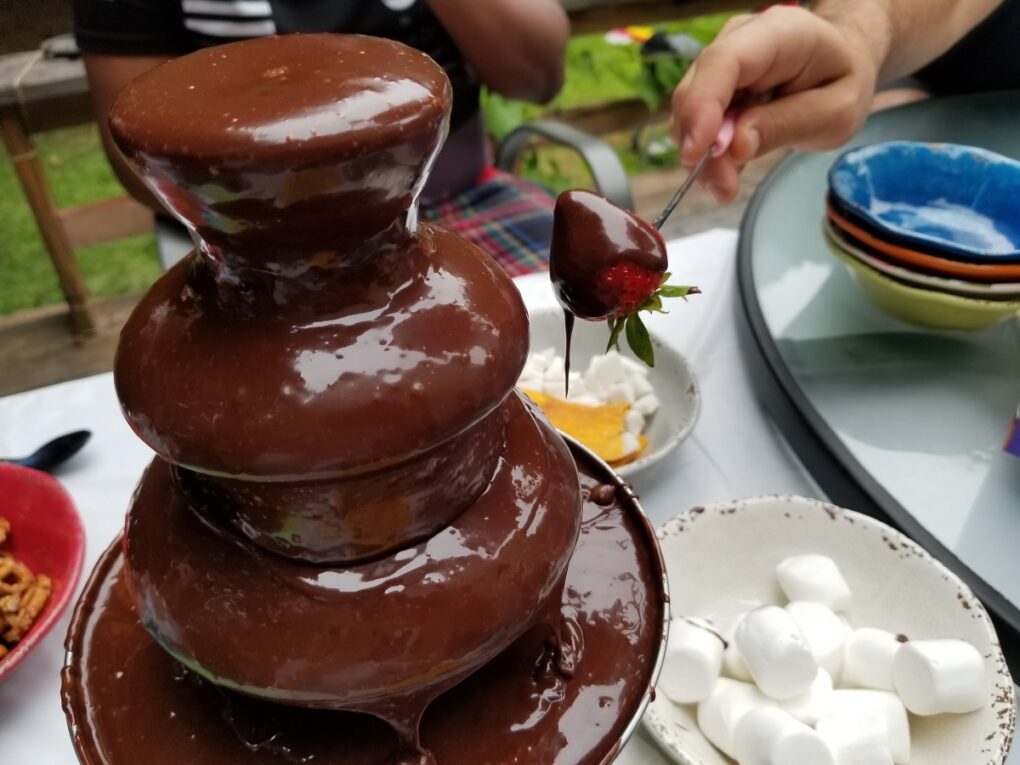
47,536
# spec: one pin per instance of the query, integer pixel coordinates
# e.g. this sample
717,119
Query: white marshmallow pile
611,378
798,685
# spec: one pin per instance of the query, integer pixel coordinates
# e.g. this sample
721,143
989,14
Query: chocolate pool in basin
357,543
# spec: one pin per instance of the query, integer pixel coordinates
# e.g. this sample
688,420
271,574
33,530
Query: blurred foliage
660,74
598,72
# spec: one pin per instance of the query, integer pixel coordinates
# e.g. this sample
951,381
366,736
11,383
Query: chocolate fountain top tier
321,332
284,140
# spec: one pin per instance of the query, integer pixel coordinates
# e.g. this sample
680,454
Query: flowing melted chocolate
129,702
568,326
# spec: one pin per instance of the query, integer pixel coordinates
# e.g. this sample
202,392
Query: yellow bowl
926,308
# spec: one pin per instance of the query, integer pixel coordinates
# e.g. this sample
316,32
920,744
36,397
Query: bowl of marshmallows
805,634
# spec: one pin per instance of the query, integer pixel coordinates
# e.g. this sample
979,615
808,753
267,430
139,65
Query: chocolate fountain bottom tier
128,702
404,626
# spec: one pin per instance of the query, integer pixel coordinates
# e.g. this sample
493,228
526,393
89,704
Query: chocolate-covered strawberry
607,264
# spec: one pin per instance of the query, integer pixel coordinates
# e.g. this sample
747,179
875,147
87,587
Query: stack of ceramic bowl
930,232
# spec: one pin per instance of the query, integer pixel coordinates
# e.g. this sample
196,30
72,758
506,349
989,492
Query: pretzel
32,602
14,575
22,596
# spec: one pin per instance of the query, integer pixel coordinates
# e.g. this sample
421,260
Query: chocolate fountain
357,544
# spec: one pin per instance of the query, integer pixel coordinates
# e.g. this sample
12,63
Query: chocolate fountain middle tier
339,437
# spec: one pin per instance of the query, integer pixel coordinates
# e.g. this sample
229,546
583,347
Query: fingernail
753,142
685,147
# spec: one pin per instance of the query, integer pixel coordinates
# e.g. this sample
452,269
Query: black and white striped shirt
170,27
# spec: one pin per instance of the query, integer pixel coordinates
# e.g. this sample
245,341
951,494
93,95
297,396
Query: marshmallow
719,714
860,705
825,633
815,578
554,387
776,652
647,405
868,658
815,703
620,393
734,665
727,620
577,384
530,383
605,370
856,741
634,368
629,443
537,364
545,356
693,662
640,385
936,676
634,422
769,736
587,399
556,369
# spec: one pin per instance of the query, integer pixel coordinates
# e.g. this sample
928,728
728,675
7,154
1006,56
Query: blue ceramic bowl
956,201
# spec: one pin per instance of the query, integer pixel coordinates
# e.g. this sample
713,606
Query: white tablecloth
733,452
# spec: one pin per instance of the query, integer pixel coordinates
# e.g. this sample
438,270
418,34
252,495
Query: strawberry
626,286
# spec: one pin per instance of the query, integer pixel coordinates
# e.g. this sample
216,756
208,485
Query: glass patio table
897,421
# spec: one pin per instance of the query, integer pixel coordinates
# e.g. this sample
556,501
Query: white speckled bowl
727,552
671,378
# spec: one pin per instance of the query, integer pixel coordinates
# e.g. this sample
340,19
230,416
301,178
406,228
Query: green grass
76,166
78,172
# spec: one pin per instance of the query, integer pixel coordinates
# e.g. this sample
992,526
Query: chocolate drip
568,325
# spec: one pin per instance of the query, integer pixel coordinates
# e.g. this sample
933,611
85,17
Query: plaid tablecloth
508,217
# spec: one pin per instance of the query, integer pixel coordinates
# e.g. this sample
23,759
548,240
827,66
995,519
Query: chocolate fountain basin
127,701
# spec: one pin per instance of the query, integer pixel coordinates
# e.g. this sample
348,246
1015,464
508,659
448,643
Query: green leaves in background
598,72
659,77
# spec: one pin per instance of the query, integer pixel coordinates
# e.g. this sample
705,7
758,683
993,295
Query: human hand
797,79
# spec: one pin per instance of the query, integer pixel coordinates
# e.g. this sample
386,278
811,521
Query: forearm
905,35
107,75
128,178
516,46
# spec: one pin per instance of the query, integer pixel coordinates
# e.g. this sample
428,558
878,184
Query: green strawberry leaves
639,340
615,330
634,328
